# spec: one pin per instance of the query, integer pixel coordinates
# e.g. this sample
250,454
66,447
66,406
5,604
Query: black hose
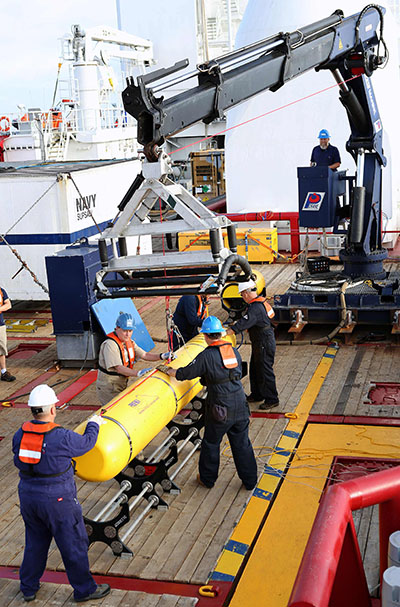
228,263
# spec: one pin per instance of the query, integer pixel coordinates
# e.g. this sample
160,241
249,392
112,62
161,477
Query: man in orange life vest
188,317
117,356
257,320
226,409
47,492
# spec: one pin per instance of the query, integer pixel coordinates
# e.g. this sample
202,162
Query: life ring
5,128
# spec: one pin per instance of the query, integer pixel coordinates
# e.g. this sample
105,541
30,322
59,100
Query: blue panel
237,547
273,471
282,451
291,434
71,273
264,495
318,190
222,577
107,311
56,237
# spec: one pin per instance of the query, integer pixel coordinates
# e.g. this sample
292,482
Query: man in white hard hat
43,453
257,321
117,356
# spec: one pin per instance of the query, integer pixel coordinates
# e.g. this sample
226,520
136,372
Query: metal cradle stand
142,479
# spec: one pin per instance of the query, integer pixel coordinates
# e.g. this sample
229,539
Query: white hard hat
249,284
42,396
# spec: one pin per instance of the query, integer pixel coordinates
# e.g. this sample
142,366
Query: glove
167,356
143,371
163,369
97,419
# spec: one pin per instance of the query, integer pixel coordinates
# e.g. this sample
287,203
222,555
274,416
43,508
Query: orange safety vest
127,362
268,308
202,310
30,449
227,353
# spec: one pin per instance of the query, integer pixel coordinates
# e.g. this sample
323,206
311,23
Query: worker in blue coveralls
47,492
257,321
226,409
325,154
188,317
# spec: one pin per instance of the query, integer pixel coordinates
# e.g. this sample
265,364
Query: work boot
266,405
254,399
200,482
101,591
8,377
29,597
248,487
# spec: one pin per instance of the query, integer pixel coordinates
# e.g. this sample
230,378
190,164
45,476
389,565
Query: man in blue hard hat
226,411
117,356
325,154
48,500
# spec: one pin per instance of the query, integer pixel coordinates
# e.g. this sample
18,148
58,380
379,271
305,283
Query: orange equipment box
255,244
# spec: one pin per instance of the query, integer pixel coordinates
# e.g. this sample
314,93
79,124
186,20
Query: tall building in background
217,25
394,6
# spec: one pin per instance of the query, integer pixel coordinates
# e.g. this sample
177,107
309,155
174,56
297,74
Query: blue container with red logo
319,189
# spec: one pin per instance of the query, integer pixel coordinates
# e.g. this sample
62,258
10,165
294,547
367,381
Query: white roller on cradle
394,549
391,587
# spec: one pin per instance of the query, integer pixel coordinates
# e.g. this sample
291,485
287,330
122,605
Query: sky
30,47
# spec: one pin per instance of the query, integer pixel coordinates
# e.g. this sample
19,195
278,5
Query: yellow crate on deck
255,244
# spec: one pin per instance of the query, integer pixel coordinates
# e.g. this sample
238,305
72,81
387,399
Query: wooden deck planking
58,595
330,392
366,522
294,368
347,384
202,538
262,435
370,553
185,515
26,370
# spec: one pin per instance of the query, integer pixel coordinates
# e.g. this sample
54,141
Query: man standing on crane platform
325,154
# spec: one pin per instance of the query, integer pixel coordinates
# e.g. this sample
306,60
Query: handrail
316,575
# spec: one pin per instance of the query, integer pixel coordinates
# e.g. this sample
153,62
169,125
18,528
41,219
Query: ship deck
249,545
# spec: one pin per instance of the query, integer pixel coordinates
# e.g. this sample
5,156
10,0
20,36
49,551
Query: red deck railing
331,572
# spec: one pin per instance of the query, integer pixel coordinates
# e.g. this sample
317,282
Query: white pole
229,15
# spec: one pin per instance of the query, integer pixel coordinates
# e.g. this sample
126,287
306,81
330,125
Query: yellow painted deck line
235,549
271,570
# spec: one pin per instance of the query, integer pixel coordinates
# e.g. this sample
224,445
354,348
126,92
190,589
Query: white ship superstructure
89,121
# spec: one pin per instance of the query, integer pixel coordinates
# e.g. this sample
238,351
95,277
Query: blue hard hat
324,134
125,321
212,324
